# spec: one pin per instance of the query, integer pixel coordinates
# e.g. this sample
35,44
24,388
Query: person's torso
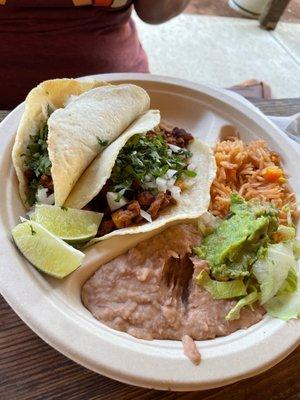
113,4
24,16
44,39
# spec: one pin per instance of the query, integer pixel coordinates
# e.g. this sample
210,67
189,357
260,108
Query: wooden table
32,370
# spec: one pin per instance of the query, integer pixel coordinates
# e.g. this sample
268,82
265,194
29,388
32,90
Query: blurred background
219,46
216,42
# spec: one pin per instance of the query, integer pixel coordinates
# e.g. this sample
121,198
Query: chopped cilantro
32,189
121,188
102,143
37,158
189,174
64,208
49,110
33,232
147,157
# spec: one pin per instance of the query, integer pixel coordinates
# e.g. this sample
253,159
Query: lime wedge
45,251
73,226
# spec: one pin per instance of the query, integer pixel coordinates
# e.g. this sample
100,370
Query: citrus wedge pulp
45,251
71,225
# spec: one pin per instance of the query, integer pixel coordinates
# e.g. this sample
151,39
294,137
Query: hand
158,11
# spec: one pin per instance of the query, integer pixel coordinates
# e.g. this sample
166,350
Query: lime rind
71,225
45,251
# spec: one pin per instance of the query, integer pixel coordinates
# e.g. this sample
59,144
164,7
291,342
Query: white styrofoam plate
53,309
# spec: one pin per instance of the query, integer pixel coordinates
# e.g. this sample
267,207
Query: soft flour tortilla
193,201
74,132
54,93
99,111
93,179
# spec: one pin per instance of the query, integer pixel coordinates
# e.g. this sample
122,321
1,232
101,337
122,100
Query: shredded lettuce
221,290
290,284
272,269
296,249
234,313
284,306
251,259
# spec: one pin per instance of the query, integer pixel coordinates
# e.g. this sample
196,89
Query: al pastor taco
65,125
150,176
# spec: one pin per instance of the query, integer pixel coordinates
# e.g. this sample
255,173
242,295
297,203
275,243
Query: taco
149,177
65,125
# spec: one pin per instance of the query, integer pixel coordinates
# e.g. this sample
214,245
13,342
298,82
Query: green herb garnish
33,232
64,208
37,158
102,143
32,189
144,158
37,152
50,110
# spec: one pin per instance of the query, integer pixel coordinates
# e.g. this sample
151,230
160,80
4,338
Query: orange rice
248,170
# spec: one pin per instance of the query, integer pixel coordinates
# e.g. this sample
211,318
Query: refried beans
150,292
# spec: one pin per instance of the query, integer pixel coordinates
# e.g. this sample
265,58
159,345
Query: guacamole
239,240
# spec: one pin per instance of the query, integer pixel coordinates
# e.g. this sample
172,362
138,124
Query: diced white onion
149,185
162,185
50,199
41,195
174,148
170,173
175,192
42,198
146,215
112,202
171,183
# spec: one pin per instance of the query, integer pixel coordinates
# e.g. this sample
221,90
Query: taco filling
38,171
57,139
148,176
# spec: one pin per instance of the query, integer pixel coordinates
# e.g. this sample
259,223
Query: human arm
158,11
